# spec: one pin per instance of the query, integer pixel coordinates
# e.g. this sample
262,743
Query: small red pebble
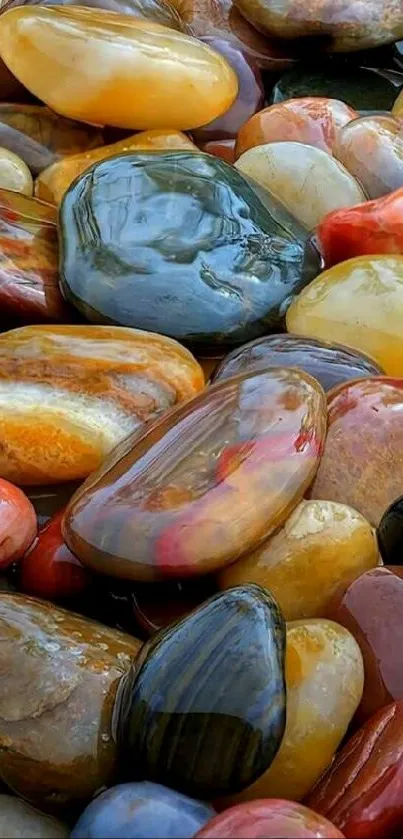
269,819
220,148
49,569
18,524
373,227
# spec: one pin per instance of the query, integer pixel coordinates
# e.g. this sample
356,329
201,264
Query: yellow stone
307,180
320,550
112,69
324,677
14,173
397,109
52,183
358,303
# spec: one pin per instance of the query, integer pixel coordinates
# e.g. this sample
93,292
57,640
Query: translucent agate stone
69,394
362,462
344,28
324,677
330,364
269,819
312,120
99,66
397,109
371,148
14,173
57,701
40,137
321,548
360,303
373,227
308,181
53,182
160,11
204,485
372,609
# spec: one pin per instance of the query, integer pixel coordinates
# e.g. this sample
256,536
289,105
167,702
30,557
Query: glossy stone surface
269,820
362,460
18,523
29,252
362,88
141,810
360,304
319,551
18,820
201,707
225,149
361,791
53,182
371,148
390,534
69,394
314,121
308,181
204,485
375,226
198,230
250,93
160,11
372,609
397,109
56,703
324,678
40,137
330,364
343,28
49,569
48,500
106,63
14,173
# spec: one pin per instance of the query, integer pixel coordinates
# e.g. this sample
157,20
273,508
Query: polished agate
324,678
359,303
362,464
197,231
40,137
14,173
371,148
213,679
308,181
29,290
160,11
330,364
99,66
204,485
312,120
321,548
69,394
342,26
53,182
56,702
269,819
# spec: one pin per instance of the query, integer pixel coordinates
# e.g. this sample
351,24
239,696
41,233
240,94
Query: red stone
266,819
50,569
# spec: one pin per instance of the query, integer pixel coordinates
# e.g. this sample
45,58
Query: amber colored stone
40,137
372,609
53,181
397,109
29,255
205,484
56,703
344,27
160,11
362,790
313,120
330,364
107,80
268,820
320,550
69,394
362,461
359,303
324,678
308,181
371,148
220,148
14,173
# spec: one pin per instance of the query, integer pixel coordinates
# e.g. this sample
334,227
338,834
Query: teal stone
181,244
361,88
203,708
